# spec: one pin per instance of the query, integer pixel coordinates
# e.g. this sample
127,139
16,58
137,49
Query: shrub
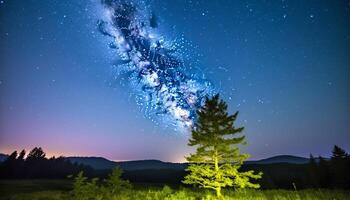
83,189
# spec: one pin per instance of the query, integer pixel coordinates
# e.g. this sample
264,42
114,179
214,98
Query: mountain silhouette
281,159
94,162
101,163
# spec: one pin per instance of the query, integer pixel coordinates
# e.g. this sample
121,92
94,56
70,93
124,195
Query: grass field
60,189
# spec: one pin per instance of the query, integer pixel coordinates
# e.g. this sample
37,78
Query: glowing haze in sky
122,79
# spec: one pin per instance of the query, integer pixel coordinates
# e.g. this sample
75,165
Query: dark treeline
318,173
35,165
333,173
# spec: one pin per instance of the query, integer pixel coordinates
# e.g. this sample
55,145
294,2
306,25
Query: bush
115,188
84,189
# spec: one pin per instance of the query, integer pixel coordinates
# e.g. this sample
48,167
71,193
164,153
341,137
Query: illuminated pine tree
217,159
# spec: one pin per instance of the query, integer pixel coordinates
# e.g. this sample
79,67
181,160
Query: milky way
153,66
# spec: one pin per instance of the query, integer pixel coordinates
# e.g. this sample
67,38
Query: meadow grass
60,190
27,189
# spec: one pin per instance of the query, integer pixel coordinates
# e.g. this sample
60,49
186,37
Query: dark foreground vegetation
324,178
62,190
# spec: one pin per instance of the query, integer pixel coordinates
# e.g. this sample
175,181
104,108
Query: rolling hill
101,163
281,159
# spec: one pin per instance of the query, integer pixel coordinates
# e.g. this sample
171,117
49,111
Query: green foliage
84,189
180,195
217,160
59,190
188,194
44,195
114,183
166,191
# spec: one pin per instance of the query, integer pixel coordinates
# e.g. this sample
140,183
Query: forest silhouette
318,173
36,166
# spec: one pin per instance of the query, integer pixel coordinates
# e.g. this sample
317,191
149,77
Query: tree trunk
216,162
218,192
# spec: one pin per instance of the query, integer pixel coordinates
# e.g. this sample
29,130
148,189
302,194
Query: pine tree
36,154
21,155
115,183
339,167
217,159
339,153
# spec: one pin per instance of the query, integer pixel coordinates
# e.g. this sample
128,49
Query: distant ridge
281,159
94,162
100,163
150,164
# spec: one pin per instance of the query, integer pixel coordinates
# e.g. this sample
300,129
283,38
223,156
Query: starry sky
283,64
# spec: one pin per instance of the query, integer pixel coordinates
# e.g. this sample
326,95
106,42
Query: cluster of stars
155,66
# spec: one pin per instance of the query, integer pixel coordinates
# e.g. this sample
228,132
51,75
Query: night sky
285,65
